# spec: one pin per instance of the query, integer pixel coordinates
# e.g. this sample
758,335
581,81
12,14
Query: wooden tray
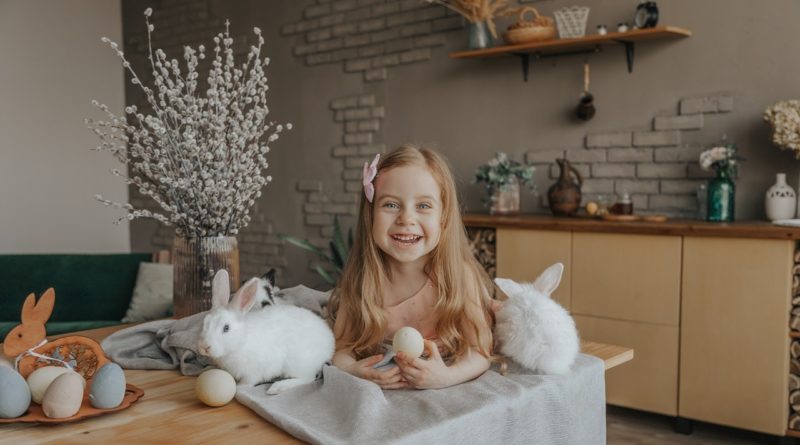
613,217
36,415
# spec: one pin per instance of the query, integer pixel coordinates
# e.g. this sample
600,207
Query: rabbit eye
226,328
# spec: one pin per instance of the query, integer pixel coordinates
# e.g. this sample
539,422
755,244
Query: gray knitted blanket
517,408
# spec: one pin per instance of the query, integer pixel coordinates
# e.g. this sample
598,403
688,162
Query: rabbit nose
203,347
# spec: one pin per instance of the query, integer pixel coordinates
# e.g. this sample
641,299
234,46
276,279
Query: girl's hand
388,379
424,374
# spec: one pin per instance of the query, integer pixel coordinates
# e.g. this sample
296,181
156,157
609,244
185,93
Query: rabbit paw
282,385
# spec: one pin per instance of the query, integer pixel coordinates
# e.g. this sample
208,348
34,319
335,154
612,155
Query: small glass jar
624,206
702,201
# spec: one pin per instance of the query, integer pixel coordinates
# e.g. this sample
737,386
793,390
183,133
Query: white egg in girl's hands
215,387
408,341
40,379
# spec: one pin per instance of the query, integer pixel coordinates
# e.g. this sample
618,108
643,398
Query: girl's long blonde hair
464,289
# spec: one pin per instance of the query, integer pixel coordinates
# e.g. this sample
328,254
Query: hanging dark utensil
586,108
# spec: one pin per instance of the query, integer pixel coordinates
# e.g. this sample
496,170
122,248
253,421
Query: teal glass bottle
721,197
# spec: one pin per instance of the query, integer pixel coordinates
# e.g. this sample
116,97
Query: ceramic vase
479,35
195,261
505,199
781,200
564,196
721,197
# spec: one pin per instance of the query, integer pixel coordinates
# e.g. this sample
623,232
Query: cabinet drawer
734,332
649,382
524,254
627,277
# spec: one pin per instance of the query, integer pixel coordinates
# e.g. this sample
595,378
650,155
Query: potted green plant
339,251
502,177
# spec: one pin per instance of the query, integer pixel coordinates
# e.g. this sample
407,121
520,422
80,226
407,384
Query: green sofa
92,290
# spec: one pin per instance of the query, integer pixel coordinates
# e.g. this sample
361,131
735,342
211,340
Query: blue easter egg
15,396
108,387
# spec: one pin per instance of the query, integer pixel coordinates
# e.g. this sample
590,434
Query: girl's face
407,214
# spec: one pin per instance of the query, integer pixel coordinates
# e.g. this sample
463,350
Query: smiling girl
411,265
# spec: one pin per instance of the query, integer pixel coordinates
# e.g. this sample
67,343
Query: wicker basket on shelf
537,29
571,21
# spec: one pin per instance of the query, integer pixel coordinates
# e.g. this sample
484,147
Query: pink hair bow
369,173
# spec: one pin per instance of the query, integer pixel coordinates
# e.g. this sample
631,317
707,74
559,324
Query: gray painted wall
53,66
740,56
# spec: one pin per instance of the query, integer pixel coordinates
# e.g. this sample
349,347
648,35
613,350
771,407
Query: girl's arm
344,359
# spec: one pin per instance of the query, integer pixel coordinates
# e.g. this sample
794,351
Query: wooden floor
629,427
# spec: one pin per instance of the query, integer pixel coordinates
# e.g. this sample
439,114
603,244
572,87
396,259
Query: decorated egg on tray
64,396
40,379
15,397
108,387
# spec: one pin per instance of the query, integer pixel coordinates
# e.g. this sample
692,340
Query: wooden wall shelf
588,44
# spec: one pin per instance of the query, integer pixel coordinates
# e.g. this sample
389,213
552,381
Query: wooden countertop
680,227
169,412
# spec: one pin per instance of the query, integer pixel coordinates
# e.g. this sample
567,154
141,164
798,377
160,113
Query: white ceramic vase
781,200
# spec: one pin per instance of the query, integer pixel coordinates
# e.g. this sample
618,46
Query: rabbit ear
509,287
549,279
245,297
41,311
220,289
28,307
270,276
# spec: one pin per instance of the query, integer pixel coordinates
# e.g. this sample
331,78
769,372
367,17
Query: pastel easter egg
108,387
15,397
40,379
215,387
409,341
64,396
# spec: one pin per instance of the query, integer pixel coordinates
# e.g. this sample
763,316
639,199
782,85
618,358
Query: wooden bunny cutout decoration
27,342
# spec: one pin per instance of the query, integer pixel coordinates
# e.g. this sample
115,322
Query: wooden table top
169,412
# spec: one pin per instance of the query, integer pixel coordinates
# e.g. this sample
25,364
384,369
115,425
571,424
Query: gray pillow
152,294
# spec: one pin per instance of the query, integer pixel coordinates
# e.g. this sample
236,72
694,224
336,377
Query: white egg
64,396
409,341
40,379
215,387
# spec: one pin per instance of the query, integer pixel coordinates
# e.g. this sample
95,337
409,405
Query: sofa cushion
88,287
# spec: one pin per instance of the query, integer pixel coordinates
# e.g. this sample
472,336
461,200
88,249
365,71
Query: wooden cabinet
627,277
734,332
527,253
627,288
648,382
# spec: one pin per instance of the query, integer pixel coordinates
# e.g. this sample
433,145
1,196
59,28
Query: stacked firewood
794,350
482,242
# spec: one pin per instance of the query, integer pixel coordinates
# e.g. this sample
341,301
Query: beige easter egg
64,396
40,379
215,387
409,341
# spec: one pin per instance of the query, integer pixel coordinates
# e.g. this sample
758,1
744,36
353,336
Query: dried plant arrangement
479,10
784,118
200,154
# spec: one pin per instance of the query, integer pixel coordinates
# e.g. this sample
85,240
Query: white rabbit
258,346
534,330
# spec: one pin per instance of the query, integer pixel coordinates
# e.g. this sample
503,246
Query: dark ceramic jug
565,195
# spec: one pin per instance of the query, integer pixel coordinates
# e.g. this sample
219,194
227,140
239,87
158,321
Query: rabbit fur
534,330
259,346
